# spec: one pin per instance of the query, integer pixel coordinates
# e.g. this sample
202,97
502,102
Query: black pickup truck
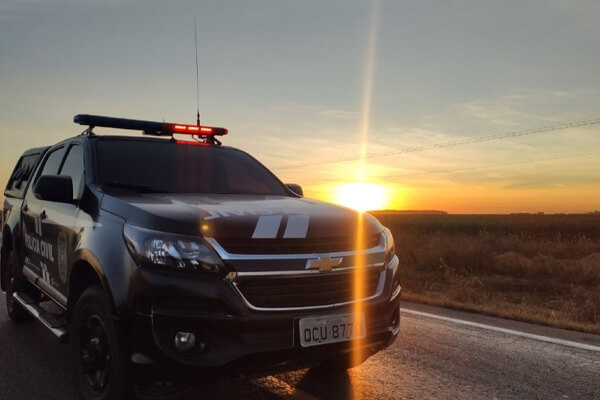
168,256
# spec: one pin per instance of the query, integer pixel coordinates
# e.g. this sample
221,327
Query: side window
52,163
73,167
21,175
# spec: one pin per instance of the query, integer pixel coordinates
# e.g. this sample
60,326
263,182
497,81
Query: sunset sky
308,87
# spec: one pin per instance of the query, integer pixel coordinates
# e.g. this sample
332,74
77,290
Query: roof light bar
148,127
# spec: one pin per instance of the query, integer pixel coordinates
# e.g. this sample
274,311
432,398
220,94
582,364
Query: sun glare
362,196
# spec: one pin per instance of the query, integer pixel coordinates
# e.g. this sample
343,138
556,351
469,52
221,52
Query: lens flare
359,291
358,351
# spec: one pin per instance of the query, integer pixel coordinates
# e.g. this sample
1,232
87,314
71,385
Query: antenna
197,84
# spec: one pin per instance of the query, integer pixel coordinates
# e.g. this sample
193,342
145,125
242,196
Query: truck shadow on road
334,386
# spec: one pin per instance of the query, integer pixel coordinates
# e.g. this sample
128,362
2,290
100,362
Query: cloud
14,9
314,110
530,107
338,114
506,162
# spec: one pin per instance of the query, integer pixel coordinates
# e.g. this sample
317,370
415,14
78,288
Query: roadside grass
538,268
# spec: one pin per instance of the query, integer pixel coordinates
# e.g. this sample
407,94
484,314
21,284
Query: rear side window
21,175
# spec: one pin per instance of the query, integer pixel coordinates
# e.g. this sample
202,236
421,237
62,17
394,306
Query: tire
99,362
15,282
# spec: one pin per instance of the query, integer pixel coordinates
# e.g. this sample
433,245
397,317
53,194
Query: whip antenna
197,84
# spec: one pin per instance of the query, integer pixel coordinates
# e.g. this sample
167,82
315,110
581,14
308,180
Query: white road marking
296,228
267,227
513,332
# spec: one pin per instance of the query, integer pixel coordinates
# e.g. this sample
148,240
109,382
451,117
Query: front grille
296,246
305,291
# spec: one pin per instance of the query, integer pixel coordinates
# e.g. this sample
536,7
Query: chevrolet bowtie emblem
323,264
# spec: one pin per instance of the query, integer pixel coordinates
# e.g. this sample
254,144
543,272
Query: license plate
315,331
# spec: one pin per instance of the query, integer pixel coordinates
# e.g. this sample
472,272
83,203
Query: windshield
168,167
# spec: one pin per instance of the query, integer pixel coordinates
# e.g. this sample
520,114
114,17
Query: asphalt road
433,359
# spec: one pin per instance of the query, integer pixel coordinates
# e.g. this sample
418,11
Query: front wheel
100,367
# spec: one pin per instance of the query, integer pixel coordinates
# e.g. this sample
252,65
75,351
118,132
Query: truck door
39,218
73,220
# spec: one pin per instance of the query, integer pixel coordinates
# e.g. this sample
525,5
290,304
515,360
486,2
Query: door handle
43,215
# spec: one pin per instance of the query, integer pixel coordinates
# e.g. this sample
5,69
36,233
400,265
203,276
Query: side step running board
54,325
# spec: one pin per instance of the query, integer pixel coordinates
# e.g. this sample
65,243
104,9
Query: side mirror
57,188
295,188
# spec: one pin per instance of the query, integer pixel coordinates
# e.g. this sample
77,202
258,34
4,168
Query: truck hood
239,216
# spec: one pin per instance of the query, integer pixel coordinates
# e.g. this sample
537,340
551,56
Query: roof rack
199,133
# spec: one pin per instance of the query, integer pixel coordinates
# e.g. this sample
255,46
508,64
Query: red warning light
201,130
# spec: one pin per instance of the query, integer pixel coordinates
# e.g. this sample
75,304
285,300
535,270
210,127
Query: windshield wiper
134,187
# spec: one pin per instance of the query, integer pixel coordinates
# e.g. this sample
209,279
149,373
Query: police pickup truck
168,256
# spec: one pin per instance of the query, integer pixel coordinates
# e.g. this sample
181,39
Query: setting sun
362,196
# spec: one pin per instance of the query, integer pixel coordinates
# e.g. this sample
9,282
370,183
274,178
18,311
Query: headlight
181,252
390,262
390,248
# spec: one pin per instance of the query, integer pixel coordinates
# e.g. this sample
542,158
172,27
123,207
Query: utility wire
478,139
481,167
477,167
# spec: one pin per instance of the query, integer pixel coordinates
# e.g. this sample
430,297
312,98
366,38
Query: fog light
185,341
232,275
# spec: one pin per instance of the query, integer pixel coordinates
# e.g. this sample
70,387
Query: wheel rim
94,353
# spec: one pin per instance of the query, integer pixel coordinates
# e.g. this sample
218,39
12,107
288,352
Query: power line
493,166
481,167
478,139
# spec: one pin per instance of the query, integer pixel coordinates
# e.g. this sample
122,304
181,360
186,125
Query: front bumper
234,339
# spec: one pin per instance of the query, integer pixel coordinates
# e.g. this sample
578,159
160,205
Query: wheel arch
85,272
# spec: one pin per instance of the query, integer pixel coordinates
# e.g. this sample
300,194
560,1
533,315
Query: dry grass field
538,268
